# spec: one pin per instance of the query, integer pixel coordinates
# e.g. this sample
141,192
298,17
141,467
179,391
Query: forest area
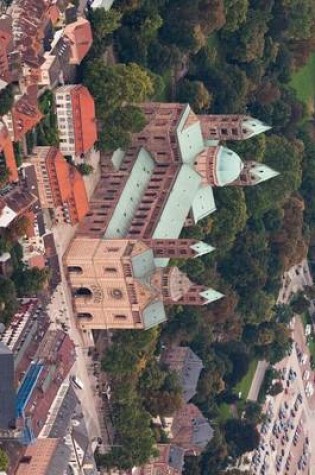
221,56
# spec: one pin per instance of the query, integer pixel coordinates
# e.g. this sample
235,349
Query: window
116,294
120,317
83,292
85,315
110,270
224,131
75,269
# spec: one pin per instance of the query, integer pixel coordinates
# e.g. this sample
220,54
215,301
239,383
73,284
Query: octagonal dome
228,166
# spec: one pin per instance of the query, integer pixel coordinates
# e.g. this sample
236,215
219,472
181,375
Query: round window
117,294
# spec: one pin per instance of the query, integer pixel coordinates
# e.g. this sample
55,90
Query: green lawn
224,413
244,385
303,82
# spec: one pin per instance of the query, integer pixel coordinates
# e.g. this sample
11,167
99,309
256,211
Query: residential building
117,283
45,374
14,203
44,457
7,390
187,365
76,120
24,114
7,157
80,36
50,71
29,18
60,186
190,430
5,43
24,334
170,461
66,420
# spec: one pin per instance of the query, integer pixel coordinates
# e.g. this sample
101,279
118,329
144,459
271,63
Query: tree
30,282
195,93
113,86
4,460
275,389
253,412
103,24
235,13
299,303
309,292
283,313
8,300
241,436
85,168
6,100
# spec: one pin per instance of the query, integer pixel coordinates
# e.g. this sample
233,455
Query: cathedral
117,264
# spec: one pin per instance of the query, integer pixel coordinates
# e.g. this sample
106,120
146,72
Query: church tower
177,289
254,173
178,248
230,127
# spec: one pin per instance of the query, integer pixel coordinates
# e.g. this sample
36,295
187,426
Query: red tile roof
79,196
37,261
25,113
70,189
6,146
85,128
81,39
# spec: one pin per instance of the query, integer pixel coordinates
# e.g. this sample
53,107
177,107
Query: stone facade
117,263
116,284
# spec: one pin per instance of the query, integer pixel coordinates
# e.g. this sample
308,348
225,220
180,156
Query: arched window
75,269
85,315
83,292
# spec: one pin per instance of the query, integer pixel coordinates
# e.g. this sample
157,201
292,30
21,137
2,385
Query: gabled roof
6,146
203,203
25,113
179,202
80,35
131,196
88,121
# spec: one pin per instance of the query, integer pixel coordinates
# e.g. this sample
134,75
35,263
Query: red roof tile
80,36
6,146
85,128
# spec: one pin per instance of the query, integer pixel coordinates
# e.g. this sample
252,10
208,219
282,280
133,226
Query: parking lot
287,433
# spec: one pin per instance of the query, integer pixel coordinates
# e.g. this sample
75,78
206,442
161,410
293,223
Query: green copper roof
254,126
202,248
130,198
117,158
262,172
143,264
190,139
178,204
203,203
211,295
153,314
228,166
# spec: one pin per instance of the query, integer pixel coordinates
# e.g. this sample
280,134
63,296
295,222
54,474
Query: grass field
224,413
244,385
303,82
